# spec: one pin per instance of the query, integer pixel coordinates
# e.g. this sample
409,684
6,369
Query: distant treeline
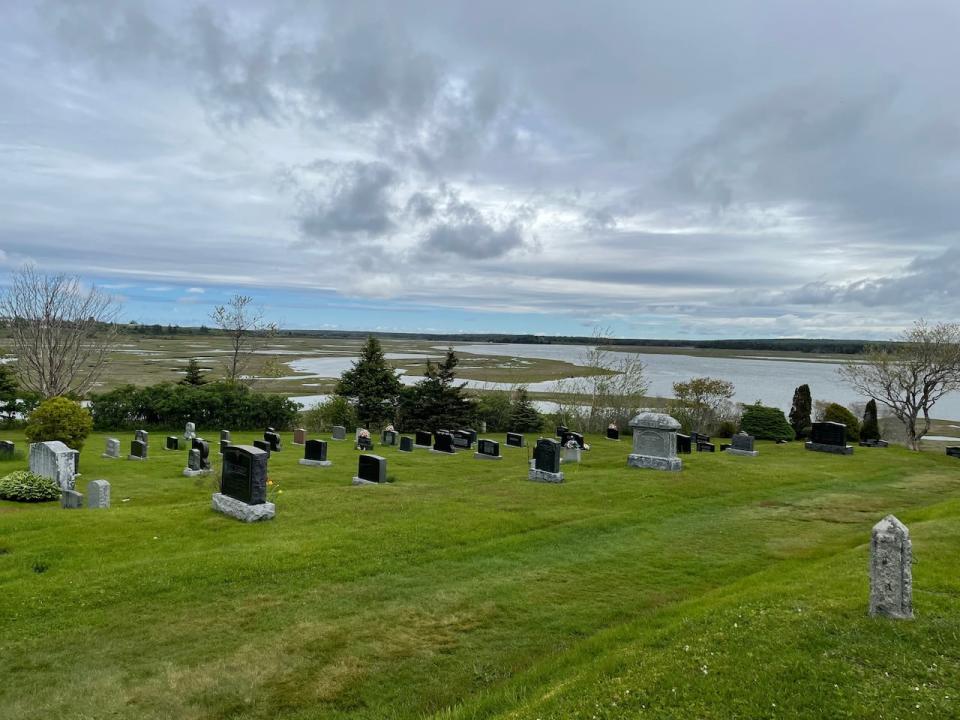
821,346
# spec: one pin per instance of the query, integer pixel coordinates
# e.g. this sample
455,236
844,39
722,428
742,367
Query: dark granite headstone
225,435
514,439
273,438
443,442
703,446
742,441
406,444
364,443
262,445
7,449
389,437
562,430
684,444
173,442
244,475
471,433
138,449
315,450
696,437
613,434
372,468
828,433
546,455
461,439
954,451
423,438
488,447
202,447
224,444
725,446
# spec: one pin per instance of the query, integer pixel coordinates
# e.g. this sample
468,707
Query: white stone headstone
54,460
891,571
112,449
654,442
98,494
190,432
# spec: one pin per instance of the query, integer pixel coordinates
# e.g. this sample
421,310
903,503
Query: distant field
736,588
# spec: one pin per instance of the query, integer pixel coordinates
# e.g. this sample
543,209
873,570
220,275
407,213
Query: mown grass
736,588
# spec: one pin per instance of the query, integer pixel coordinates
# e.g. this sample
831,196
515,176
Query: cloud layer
666,169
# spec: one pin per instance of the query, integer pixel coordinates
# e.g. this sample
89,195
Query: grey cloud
475,238
357,200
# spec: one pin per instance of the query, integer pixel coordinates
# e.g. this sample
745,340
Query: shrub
59,419
726,428
24,486
336,410
835,412
870,430
766,423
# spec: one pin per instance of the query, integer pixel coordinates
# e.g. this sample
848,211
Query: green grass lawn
736,588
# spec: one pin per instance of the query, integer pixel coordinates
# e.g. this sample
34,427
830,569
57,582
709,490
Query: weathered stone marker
891,574
98,495
339,432
654,442
71,500
6,449
389,437
56,461
112,451
190,431
315,454
243,485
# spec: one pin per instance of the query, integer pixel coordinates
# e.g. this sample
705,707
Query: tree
8,391
837,413
62,331
62,419
246,329
870,429
524,417
372,386
703,401
436,402
766,423
800,411
193,376
911,376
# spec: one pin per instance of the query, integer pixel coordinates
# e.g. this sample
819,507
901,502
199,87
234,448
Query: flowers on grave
571,444
388,428
364,434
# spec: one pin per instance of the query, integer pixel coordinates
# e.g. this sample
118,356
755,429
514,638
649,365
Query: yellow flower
269,482
280,492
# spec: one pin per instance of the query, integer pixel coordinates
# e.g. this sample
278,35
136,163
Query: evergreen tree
193,376
870,430
372,386
800,411
436,402
524,417
8,390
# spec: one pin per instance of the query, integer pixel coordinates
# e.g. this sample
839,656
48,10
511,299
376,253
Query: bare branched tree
62,331
909,378
248,332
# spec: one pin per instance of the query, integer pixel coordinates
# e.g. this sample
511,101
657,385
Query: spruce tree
8,390
193,376
800,411
436,402
372,386
524,417
870,430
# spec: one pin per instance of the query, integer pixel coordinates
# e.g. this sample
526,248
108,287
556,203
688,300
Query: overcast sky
664,169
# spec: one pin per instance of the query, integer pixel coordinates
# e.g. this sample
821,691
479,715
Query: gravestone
684,444
575,436
570,453
198,459
143,436
488,450
406,444
654,442
461,439
742,444
190,431
562,430
56,461
364,443
339,432
546,462
389,437
71,500
954,451
315,454
470,433
829,437
138,450
371,470
873,443
271,437
243,485
112,450
515,440
7,449
423,439
98,495
299,436
224,444
706,447
891,571
204,447
443,443
173,442
360,432
613,433
262,445
225,435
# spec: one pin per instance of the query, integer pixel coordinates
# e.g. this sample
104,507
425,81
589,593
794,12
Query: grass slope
736,588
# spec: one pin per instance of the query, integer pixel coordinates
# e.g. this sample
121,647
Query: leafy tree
766,423
836,412
524,417
800,411
436,402
60,419
910,377
372,386
870,428
702,402
193,376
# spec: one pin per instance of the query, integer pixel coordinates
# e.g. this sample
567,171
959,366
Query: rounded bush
836,412
60,419
24,486
766,423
